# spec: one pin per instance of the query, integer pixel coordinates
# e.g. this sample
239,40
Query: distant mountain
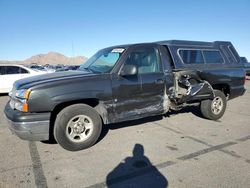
52,58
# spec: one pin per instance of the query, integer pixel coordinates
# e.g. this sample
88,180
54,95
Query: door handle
159,81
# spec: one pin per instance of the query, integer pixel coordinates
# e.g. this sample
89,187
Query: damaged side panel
188,86
142,109
140,102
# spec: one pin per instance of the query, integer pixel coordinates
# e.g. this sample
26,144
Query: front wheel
77,127
214,109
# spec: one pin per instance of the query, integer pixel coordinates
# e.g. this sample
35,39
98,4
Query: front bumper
28,126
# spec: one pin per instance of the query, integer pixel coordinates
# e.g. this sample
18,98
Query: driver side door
139,95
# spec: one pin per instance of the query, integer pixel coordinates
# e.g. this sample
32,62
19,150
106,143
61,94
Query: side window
234,53
212,57
23,71
191,56
12,70
15,70
228,54
146,59
2,70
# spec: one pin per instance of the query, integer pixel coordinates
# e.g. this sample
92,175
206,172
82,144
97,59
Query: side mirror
129,70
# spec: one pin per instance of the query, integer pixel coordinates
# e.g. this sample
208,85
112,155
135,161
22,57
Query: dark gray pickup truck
124,83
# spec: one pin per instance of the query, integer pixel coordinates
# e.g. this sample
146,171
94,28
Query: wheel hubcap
217,105
79,128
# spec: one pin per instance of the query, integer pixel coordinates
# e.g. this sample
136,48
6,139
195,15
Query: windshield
103,61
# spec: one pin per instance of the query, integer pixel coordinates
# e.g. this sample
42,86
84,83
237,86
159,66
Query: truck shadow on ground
136,171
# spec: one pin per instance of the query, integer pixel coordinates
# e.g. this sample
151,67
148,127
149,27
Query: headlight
23,93
19,100
19,105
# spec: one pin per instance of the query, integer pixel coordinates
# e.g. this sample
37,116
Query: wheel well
91,102
222,87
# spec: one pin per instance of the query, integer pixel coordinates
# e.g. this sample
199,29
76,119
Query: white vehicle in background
9,73
41,68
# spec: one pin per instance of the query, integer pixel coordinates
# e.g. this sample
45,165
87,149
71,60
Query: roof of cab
192,43
178,43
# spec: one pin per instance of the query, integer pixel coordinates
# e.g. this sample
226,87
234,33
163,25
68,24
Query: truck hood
44,78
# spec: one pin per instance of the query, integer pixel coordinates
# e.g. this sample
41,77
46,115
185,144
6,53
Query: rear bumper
247,69
237,91
28,126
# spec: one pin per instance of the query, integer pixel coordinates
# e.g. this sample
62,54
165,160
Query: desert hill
52,58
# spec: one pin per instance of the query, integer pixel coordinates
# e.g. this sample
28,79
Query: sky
81,27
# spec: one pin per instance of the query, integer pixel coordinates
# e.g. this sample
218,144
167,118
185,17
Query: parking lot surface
179,150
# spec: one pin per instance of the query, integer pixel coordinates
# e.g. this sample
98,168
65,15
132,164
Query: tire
77,127
214,109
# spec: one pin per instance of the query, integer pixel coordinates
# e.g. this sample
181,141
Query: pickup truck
123,83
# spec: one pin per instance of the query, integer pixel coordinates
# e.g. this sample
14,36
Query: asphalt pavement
181,149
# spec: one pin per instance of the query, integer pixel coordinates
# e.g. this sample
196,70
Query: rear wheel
214,109
77,127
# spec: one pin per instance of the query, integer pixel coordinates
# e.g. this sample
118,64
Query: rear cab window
228,54
191,56
200,56
234,53
212,56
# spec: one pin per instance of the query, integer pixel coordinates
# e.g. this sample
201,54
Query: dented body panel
189,86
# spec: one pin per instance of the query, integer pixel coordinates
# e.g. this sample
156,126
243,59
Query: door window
15,70
2,70
145,59
23,71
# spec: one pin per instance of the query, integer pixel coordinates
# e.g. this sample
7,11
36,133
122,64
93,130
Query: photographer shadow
136,171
